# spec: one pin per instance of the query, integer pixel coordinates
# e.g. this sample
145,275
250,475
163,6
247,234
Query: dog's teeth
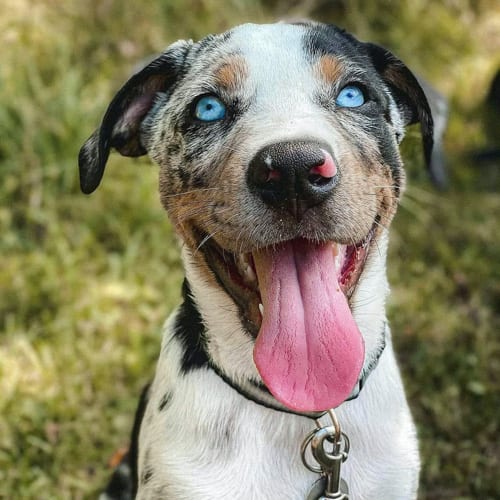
335,249
249,273
261,309
245,268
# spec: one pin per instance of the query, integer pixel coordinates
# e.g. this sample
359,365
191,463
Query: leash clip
329,447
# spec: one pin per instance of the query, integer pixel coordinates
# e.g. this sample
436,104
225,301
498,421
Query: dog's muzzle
293,175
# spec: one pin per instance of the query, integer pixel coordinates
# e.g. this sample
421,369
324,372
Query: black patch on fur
173,148
198,182
190,330
407,93
210,43
164,401
184,175
146,475
390,155
328,39
123,482
261,386
120,485
134,439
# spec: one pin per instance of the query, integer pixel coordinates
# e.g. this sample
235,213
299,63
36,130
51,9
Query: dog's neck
215,442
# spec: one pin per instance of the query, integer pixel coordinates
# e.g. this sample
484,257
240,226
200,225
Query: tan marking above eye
231,73
329,68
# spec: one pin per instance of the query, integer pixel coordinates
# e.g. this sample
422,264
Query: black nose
293,175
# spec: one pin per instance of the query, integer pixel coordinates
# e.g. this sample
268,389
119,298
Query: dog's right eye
209,108
350,97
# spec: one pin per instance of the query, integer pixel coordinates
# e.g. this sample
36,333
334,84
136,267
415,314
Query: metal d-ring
327,458
335,422
316,438
336,425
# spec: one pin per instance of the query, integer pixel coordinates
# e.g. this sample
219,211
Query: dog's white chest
210,443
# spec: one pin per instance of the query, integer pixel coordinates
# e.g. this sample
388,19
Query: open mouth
294,298
237,272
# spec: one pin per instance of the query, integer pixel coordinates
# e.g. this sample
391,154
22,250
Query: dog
280,170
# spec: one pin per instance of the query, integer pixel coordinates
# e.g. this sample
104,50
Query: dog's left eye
350,97
209,108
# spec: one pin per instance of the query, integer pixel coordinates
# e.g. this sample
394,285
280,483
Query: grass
86,282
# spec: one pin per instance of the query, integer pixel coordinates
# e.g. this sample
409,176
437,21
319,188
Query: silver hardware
329,448
318,490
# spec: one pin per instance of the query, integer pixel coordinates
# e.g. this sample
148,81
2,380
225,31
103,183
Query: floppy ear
120,127
410,99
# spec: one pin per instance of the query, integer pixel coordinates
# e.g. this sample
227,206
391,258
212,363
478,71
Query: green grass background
86,282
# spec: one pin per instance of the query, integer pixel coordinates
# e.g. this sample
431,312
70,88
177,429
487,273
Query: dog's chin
236,273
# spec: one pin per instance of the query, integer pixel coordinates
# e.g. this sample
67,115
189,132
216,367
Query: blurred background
86,282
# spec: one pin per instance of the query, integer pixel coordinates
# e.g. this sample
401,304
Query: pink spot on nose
327,169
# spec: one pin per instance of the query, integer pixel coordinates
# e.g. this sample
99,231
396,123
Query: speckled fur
199,437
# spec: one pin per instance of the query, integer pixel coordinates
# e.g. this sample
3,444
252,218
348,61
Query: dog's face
279,168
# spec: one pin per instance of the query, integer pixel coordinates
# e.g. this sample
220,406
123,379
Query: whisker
204,240
212,234
199,190
202,211
380,224
378,248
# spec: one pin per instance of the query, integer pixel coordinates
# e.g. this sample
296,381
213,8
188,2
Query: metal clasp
329,448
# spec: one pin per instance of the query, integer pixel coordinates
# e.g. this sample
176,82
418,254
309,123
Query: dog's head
280,170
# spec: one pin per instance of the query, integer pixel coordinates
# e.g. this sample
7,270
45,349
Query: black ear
410,99
120,127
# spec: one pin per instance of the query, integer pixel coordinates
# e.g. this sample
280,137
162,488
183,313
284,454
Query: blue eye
350,97
210,108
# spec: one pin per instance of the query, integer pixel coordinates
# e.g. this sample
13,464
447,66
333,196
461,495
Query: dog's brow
329,68
231,73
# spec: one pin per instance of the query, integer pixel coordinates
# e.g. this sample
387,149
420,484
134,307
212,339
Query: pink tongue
309,351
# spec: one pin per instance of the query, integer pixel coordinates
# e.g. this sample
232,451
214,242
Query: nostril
273,175
319,180
262,173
